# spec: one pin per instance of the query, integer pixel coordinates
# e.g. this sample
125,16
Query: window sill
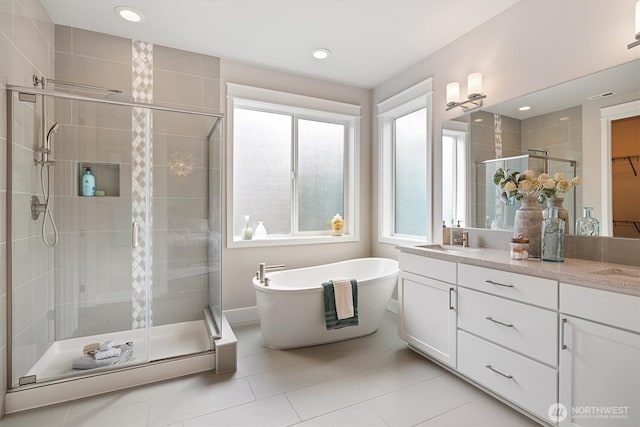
395,240
290,241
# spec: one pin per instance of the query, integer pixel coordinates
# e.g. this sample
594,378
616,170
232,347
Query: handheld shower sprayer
53,130
45,148
45,180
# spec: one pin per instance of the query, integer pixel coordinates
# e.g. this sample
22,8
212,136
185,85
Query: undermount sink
619,272
446,248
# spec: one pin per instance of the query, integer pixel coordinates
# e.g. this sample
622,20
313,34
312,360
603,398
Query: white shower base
165,342
168,347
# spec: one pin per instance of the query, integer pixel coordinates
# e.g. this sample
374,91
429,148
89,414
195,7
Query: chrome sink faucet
462,239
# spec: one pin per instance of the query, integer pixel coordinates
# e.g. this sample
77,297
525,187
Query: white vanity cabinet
562,352
505,342
599,369
427,306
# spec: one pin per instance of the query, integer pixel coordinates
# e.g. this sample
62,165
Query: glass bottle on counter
587,225
553,237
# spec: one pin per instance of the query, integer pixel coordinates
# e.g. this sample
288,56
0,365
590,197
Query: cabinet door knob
508,325
451,307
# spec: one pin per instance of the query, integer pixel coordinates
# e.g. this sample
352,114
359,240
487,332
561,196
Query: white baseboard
242,315
392,306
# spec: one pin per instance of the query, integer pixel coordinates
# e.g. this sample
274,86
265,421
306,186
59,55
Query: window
410,173
454,187
405,184
293,168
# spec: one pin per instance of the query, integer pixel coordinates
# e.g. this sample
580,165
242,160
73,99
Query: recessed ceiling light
564,118
129,14
320,53
477,120
524,108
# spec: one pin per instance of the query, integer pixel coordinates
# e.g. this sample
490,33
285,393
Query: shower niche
107,177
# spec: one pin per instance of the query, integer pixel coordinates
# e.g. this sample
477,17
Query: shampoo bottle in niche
88,183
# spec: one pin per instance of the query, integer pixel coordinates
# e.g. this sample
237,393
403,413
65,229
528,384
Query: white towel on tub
344,298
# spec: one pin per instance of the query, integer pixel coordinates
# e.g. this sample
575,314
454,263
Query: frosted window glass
262,147
320,174
410,174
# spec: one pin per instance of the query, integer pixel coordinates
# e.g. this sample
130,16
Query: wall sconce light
637,42
475,96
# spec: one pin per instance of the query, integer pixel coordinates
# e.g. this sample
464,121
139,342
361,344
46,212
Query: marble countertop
593,274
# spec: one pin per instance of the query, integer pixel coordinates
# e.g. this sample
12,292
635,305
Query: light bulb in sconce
638,20
474,85
180,163
637,27
453,93
473,100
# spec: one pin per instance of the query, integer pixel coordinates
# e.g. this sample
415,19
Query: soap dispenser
446,234
88,183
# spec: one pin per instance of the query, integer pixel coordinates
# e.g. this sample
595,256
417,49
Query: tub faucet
263,268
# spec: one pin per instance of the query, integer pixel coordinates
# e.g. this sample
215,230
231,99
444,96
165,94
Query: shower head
53,129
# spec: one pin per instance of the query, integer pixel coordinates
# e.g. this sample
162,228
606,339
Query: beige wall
26,47
533,45
240,264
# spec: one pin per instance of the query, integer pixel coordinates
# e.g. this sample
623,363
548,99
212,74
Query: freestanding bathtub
291,307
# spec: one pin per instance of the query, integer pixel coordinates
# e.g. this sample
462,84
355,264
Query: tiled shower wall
179,290
26,47
560,134
486,145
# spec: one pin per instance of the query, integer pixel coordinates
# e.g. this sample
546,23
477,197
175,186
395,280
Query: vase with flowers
526,187
553,192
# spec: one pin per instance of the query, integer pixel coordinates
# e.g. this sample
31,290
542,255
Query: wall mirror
589,127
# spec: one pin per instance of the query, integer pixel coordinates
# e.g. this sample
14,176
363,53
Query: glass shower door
91,287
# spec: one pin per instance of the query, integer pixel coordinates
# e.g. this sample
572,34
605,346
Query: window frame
460,132
305,108
410,100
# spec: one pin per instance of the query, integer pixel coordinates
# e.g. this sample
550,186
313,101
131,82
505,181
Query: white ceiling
370,40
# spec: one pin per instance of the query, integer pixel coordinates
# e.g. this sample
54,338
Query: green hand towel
330,315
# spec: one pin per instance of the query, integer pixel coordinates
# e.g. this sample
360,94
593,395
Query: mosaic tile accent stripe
142,184
497,130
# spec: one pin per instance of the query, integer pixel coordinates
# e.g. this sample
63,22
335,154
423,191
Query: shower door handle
134,235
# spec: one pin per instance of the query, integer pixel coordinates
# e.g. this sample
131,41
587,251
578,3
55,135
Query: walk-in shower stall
491,211
133,263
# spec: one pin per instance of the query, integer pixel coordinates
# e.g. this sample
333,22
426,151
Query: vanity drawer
520,287
429,267
611,308
523,328
532,385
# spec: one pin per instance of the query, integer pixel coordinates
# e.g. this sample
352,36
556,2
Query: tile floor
369,381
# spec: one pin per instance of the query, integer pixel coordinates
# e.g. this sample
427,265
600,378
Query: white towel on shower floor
344,298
